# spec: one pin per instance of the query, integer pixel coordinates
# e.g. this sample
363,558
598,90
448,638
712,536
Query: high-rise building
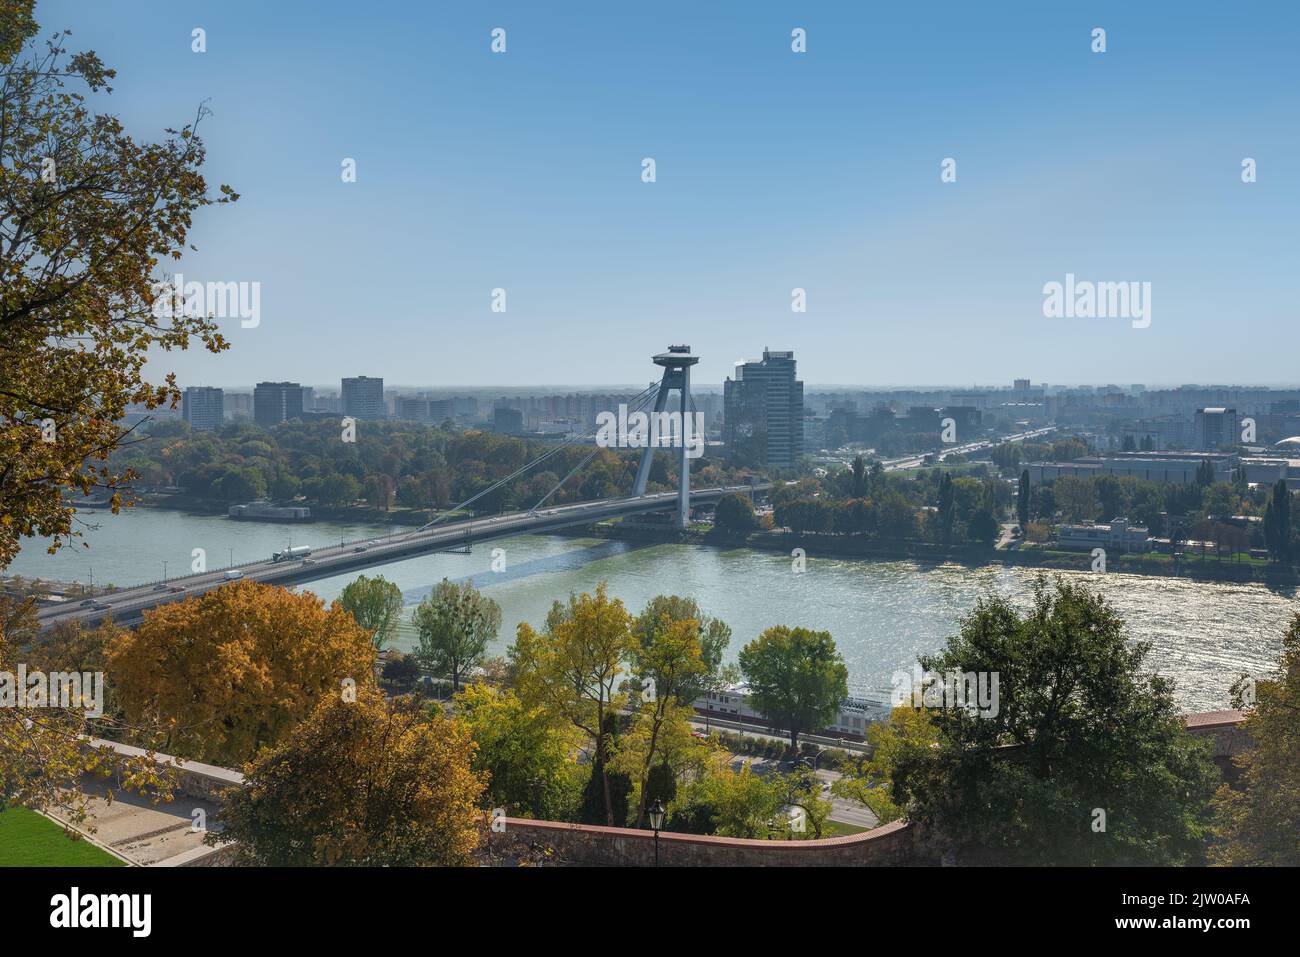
363,398
203,407
507,420
276,402
763,412
1216,427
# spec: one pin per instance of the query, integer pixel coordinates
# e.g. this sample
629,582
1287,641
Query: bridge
128,605
645,426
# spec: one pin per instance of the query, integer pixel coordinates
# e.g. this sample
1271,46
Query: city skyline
776,171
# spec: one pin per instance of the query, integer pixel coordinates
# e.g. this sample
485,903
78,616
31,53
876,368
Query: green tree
796,677
1022,499
734,515
1076,498
712,635
859,469
1257,819
525,754
572,669
947,509
454,626
86,215
376,604
1076,725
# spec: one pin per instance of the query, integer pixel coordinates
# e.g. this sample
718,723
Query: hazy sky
774,169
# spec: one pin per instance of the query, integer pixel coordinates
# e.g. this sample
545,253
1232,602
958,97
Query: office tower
203,407
1216,427
508,421
276,402
308,399
763,412
363,398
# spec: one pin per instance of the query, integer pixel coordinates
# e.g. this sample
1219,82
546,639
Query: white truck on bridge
289,554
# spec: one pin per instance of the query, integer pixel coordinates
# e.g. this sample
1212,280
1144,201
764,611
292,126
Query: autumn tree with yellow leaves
234,670
87,214
572,669
365,782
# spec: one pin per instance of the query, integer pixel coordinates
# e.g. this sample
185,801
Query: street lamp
657,822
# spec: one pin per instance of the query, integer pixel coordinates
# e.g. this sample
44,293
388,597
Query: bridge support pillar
676,362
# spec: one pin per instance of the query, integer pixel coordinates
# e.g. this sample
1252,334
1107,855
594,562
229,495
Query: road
971,448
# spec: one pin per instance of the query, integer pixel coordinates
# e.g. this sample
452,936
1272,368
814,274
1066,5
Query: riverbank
1193,566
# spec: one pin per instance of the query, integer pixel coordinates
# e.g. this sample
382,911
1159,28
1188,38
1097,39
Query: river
881,614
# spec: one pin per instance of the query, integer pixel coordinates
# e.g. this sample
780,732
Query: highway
971,448
128,605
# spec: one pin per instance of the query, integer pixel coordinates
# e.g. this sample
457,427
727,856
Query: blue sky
775,170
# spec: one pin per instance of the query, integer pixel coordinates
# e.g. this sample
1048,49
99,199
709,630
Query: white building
732,704
1119,536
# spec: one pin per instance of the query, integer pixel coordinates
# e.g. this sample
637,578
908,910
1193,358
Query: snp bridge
647,407
127,606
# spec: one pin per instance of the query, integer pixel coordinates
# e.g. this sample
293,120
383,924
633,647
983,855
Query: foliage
86,213
1079,728
360,783
1257,820
572,668
734,515
235,669
796,677
711,634
524,754
455,624
43,750
376,604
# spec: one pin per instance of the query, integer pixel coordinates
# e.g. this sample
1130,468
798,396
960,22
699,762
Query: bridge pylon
676,362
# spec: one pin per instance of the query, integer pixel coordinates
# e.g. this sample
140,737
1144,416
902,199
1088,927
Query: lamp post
656,822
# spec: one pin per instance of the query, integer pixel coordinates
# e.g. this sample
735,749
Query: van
234,574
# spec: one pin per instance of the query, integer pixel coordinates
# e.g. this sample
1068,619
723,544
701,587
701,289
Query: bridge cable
554,450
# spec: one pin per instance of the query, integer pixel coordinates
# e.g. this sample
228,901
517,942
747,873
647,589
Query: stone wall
891,844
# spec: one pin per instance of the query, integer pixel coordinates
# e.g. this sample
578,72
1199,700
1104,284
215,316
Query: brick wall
891,844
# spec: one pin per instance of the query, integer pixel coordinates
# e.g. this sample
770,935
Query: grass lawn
840,829
29,840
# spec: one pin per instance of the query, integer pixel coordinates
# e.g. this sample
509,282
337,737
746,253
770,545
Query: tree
672,661
1076,498
86,213
859,468
1076,724
947,509
43,748
1277,523
1256,820
365,783
1022,499
1205,474
454,625
235,669
376,604
734,515
525,755
572,669
796,677
890,744
712,635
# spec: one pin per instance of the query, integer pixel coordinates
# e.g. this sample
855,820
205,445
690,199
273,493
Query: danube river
881,614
